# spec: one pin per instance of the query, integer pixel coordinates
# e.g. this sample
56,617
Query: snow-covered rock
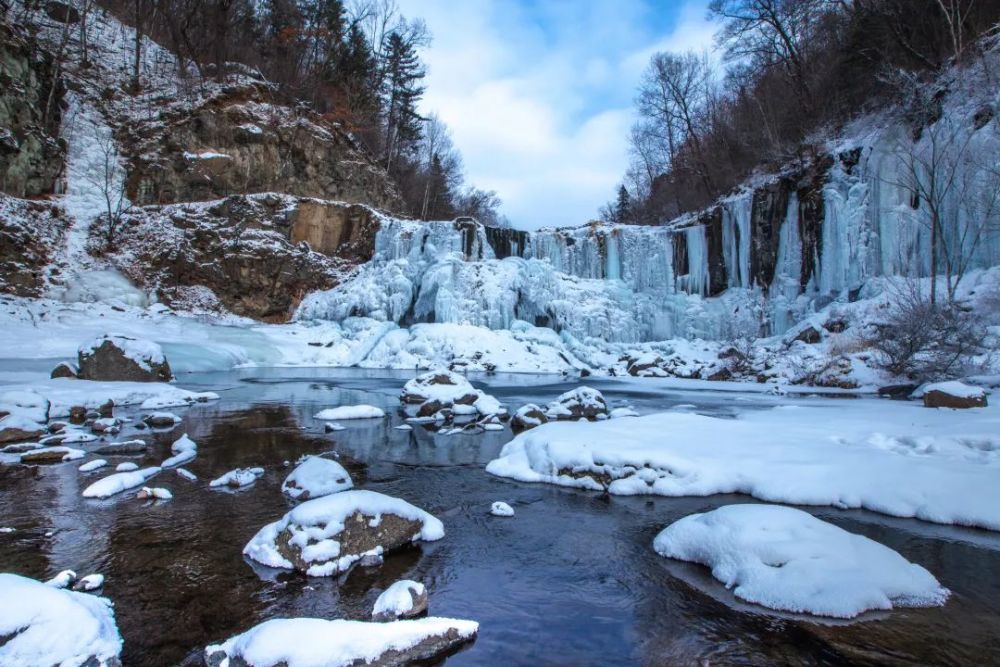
500,508
238,478
46,626
91,582
17,428
118,482
115,357
786,559
351,412
953,395
123,448
91,466
315,642
52,455
877,455
528,416
442,392
327,535
64,579
178,400
127,466
184,449
161,419
403,599
186,474
315,477
154,493
579,403
618,413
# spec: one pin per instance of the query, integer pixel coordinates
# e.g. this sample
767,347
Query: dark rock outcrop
30,234
959,396
31,95
119,358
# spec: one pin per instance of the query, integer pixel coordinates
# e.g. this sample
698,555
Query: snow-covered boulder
91,466
527,416
786,559
121,358
118,482
238,478
154,493
184,449
64,369
106,425
315,477
647,364
91,582
500,508
17,428
52,455
404,599
127,466
579,403
44,626
953,395
351,412
316,642
123,448
161,419
446,393
327,535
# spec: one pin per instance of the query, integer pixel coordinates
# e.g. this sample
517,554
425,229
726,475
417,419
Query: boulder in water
120,358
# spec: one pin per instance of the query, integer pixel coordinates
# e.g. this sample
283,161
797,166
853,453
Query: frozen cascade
852,223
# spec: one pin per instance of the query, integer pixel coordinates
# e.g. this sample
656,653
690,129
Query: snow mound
441,392
48,626
404,598
118,482
786,559
579,403
184,449
238,478
128,466
351,412
315,477
501,509
315,642
894,458
90,466
306,538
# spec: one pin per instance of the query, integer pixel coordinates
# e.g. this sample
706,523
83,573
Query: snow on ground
315,642
786,559
315,477
118,482
47,626
351,412
500,508
315,524
895,458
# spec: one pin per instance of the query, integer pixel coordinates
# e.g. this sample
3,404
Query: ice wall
782,248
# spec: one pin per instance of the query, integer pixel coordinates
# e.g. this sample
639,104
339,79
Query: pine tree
357,75
402,90
623,206
441,205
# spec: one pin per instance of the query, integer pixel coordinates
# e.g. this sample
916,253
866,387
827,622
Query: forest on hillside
356,62
791,72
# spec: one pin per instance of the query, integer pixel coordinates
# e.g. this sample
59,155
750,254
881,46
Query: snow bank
889,457
314,642
118,482
48,626
786,559
314,526
351,412
315,477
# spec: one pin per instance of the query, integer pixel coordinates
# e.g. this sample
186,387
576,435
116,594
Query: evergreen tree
402,90
357,75
623,206
440,204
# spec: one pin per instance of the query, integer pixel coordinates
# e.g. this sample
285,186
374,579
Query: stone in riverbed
527,416
14,428
64,370
122,448
52,455
404,599
316,477
579,403
120,358
326,536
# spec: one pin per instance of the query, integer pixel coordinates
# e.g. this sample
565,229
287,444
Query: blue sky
538,93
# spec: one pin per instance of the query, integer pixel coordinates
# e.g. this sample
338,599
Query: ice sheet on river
889,457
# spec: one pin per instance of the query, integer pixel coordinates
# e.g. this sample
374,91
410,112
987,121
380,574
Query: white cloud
538,96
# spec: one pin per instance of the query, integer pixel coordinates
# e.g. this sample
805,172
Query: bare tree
110,182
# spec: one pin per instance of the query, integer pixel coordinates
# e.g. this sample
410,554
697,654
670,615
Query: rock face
120,358
31,156
256,256
246,139
328,535
30,234
954,395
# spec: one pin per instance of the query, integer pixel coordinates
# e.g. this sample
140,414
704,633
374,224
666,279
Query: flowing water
570,580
